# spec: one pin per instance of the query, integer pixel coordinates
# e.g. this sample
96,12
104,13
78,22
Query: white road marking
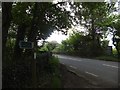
62,63
70,58
110,65
91,74
73,67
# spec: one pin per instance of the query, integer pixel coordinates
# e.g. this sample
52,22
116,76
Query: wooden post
34,73
34,76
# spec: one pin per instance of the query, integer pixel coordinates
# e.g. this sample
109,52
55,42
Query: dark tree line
6,20
33,21
30,21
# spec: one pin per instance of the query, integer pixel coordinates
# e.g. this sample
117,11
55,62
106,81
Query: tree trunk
6,19
20,36
93,49
96,47
33,30
117,48
32,37
37,19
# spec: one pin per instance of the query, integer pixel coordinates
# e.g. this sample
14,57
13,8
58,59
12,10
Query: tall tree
116,35
91,15
21,20
6,19
37,20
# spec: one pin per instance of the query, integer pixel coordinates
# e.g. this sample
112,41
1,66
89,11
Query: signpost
30,45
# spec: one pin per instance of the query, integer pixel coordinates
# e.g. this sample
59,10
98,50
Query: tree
78,44
112,23
6,19
116,35
36,21
92,16
51,45
21,20
31,21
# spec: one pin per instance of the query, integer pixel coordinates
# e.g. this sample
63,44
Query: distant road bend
101,73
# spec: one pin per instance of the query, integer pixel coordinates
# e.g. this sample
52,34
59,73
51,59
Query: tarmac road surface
99,72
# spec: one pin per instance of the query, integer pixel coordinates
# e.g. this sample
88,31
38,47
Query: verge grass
108,58
55,80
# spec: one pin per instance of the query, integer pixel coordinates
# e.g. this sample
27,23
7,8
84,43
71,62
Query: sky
57,36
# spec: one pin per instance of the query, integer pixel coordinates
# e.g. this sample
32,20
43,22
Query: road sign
26,45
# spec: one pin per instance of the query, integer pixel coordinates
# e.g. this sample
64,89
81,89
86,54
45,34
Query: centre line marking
110,65
91,74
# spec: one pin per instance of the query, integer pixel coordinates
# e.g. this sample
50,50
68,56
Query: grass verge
55,80
108,58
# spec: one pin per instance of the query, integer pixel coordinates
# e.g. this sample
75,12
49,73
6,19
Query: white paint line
110,65
74,59
73,67
70,58
91,74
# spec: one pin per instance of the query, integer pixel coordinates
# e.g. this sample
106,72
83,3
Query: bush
54,64
16,76
56,83
54,67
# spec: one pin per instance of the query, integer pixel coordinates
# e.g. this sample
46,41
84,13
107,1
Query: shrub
54,64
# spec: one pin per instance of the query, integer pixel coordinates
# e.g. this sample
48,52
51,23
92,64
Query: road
99,72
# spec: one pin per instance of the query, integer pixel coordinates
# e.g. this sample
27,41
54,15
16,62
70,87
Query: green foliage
114,52
104,45
98,11
49,46
95,17
59,48
77,43
46,17
56,83
54,63
43,48
116,34
9,52
116,25
21,12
